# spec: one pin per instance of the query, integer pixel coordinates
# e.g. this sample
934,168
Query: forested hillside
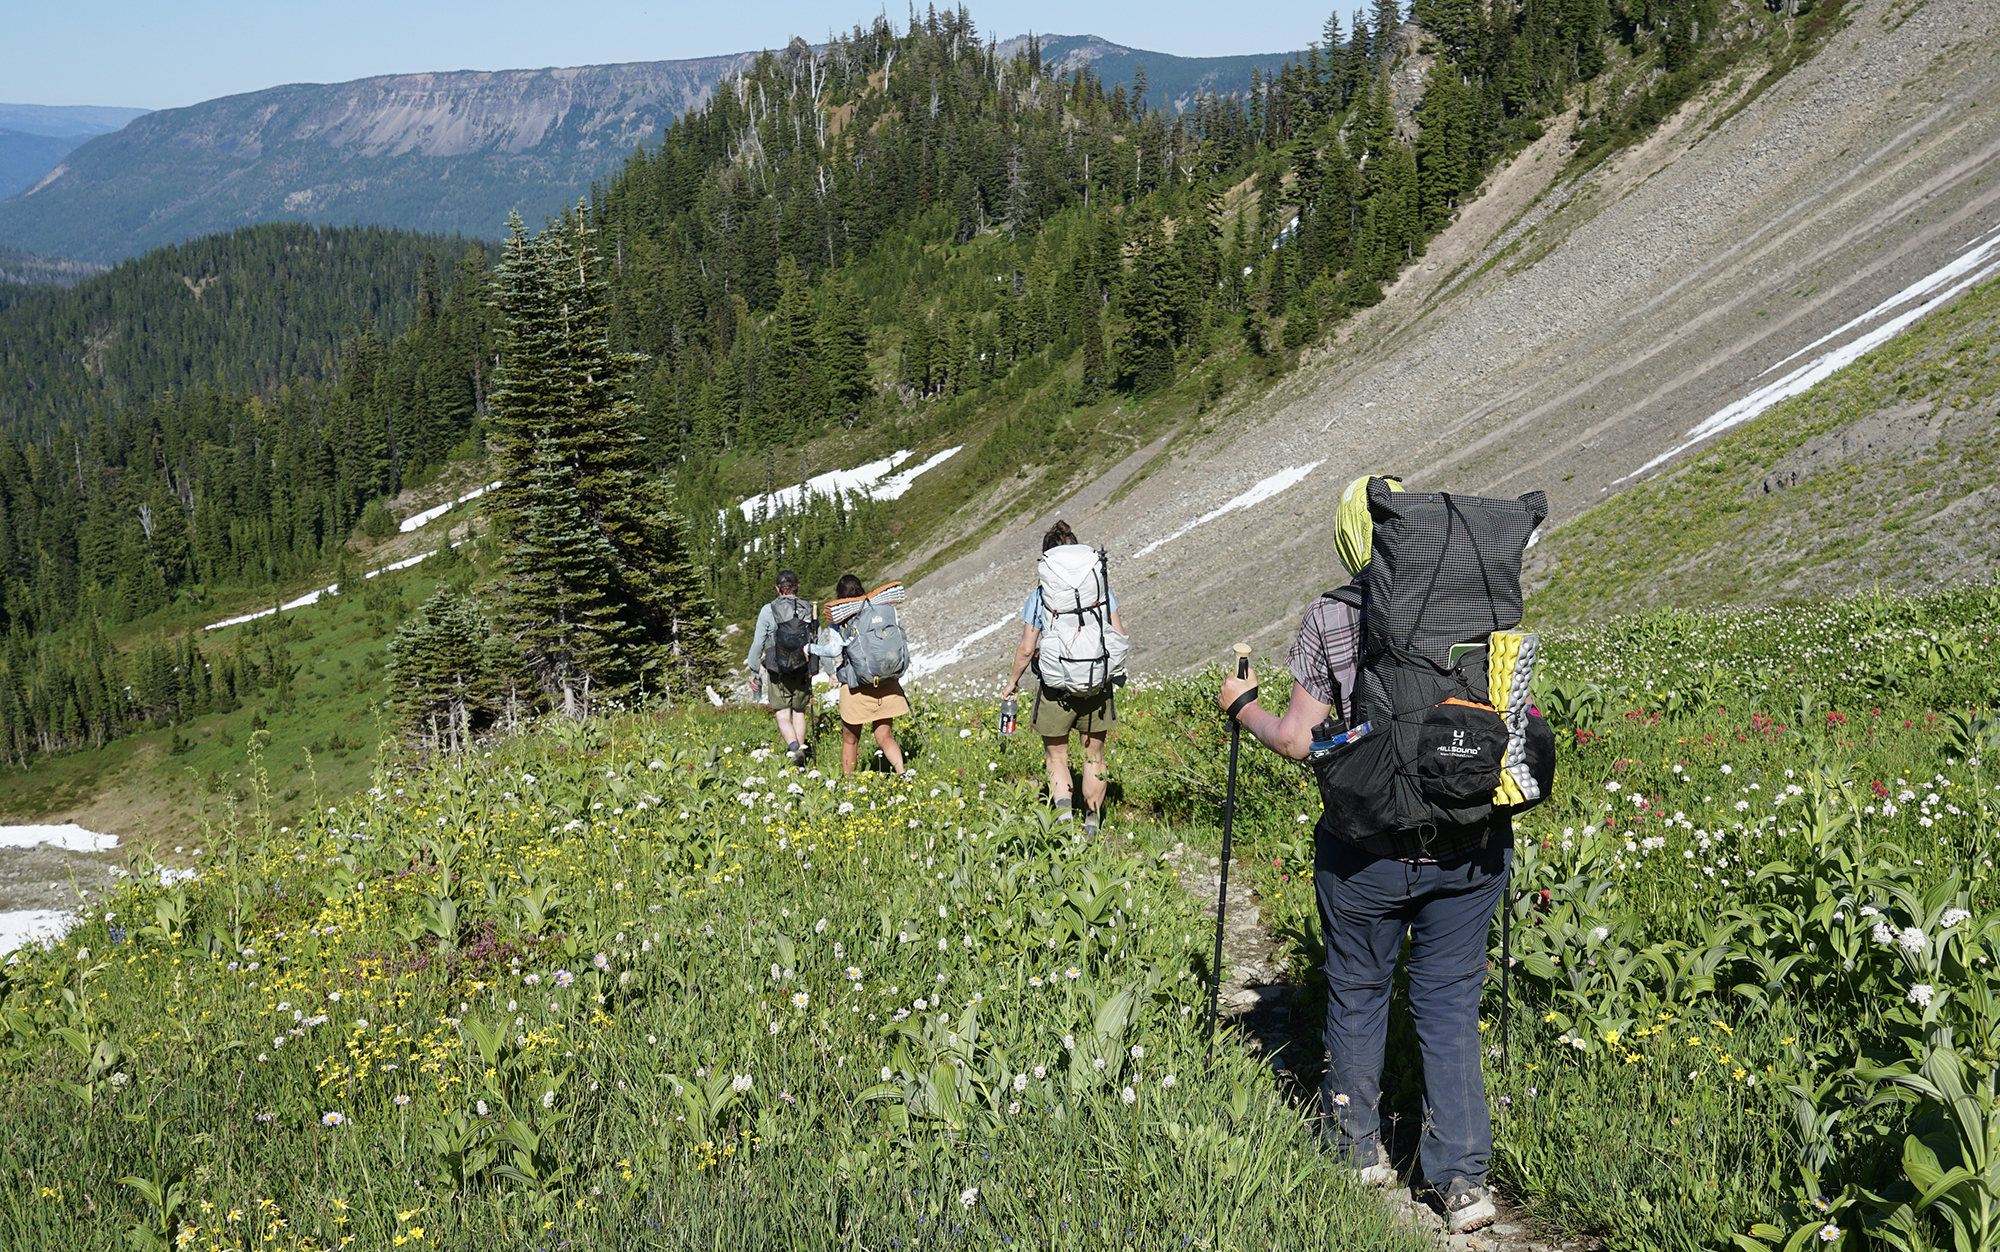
222,415
912,232
19,270
904,239
245,312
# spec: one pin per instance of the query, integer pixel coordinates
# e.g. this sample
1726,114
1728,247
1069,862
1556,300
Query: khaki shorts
788,691
860,706
1058,713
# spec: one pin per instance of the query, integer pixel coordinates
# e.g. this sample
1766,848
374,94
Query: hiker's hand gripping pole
1228,823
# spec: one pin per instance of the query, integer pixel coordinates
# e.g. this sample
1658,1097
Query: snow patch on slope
69,836
1969,270
876,480
333,589
425,518
922,662
1257,494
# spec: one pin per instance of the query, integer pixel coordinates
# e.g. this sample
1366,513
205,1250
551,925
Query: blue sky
155,54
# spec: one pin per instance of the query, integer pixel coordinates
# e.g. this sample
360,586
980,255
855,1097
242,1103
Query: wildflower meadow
636,982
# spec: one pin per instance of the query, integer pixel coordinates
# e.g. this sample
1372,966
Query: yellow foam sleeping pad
1510,671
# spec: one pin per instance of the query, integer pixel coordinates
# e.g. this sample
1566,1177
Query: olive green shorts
1058,713
789,691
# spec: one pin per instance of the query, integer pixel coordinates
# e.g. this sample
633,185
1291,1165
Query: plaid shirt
1327,652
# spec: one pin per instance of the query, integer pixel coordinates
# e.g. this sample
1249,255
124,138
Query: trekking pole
1228,822
1506,962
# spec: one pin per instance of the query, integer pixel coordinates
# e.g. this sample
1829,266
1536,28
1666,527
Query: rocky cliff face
434,152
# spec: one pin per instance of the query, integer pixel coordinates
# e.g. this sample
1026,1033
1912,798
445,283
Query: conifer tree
1445,116
1388,16
443,677
794,388
843,352
597,587
1096,373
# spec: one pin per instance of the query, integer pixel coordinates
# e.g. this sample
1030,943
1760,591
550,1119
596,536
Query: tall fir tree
598,588
843,353
1445,118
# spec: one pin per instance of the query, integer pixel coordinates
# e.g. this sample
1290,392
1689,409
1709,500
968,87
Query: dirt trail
1278,1024
1561,334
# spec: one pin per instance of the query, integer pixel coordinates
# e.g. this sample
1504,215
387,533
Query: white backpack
1081,651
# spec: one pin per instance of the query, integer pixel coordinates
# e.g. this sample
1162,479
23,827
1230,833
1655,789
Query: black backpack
792,631
1445,573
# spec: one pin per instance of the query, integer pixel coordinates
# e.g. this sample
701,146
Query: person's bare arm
1289,736
1023,656
1117,622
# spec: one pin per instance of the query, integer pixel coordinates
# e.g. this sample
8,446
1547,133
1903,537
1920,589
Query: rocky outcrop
435,152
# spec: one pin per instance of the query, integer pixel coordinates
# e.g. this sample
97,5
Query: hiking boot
1090,824
1063,810
1372,1168
1468,1206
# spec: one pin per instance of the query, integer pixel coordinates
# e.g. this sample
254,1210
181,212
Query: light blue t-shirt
1031,609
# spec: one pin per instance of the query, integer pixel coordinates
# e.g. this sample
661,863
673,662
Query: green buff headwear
1353,527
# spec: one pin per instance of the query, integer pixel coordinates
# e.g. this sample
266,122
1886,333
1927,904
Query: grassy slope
144,790
1872,478
824,1153
1084,1097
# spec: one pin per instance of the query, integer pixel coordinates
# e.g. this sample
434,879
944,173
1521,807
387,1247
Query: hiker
864,652
1076,667
1439,884
784,631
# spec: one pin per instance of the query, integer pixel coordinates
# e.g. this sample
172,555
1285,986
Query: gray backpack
791,631
876,650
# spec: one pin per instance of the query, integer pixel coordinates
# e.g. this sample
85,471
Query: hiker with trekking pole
1409,698
778,646
1074,640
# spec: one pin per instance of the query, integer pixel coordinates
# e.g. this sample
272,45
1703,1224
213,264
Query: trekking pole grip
1242,671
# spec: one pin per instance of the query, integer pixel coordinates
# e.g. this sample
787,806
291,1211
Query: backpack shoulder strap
1349,594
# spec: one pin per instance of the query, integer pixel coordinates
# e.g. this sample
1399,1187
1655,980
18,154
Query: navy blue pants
1367,905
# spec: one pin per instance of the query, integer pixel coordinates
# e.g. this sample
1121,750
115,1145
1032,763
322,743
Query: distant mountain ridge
65,121
439,152
1172,82
34,137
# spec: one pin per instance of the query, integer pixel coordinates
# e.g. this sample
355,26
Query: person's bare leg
850,746
885,738
1094,783
791,726
1058,754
